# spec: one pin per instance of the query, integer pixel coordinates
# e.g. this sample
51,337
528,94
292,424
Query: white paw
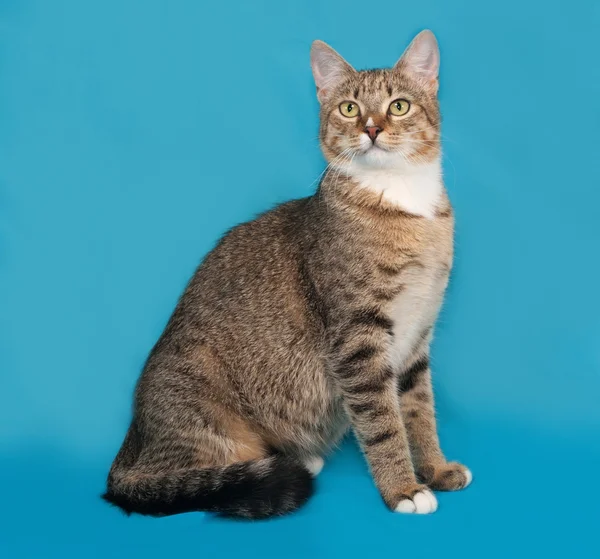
469,477
314,465
423,502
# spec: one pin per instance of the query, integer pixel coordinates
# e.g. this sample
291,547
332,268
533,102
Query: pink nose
372,131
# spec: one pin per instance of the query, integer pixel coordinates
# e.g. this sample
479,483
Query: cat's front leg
370,395
417,408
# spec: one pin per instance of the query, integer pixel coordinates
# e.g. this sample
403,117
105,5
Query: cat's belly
413,313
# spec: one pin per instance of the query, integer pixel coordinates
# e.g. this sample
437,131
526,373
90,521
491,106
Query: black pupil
350,107
399,106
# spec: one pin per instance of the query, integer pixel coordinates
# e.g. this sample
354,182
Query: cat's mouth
377,155
375,148
372,146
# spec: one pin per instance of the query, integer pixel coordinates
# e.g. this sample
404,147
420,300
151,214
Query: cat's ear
422,59
328,67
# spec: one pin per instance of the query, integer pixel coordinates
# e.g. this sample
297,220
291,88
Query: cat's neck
416,189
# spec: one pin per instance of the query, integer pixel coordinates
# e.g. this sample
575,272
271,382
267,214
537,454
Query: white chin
377,157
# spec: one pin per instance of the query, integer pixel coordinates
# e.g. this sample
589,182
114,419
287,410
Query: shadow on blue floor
532,497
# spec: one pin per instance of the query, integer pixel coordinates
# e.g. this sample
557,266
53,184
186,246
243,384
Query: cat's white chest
416,190
414,311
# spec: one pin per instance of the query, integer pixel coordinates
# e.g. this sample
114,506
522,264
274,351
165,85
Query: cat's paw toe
451,476
422,502
314,465
468,476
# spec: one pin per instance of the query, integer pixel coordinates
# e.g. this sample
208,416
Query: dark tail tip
284,486
117,500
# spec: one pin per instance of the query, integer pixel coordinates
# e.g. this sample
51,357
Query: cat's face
379,118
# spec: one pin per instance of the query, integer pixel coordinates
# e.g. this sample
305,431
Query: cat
315,317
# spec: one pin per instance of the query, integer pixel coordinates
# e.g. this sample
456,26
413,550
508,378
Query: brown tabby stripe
387,374
380,438
362,408
366,387
422,397
389,270
425,333
395,270
372,317
409,378
387,294
362,354
313,300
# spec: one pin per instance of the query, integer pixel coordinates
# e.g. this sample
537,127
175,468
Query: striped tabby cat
315,317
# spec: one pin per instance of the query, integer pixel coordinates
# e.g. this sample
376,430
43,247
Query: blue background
132,134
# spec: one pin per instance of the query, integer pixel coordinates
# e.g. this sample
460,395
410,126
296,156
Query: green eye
399,107
349,109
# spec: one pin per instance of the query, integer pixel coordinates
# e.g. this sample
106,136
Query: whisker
341,170
329,165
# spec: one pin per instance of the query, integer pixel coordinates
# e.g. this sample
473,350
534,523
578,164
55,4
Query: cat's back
258,253
255,245
251,285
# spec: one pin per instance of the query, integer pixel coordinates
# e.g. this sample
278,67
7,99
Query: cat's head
379,118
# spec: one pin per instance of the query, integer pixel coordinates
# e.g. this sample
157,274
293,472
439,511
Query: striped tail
272,486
